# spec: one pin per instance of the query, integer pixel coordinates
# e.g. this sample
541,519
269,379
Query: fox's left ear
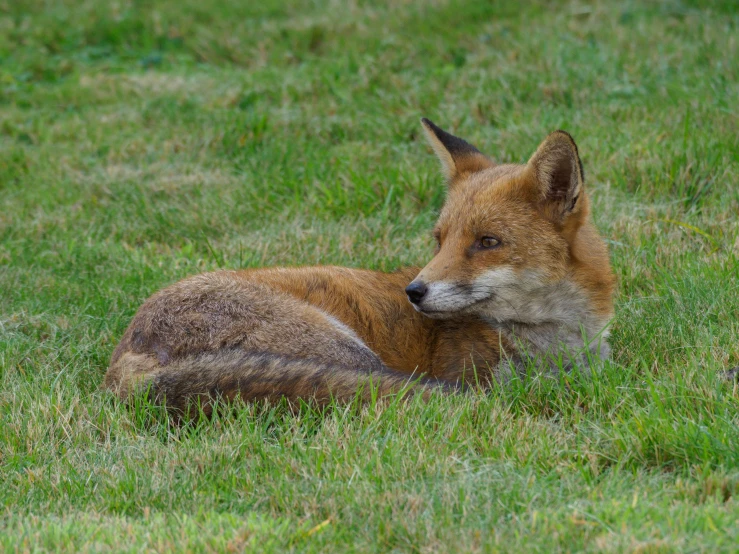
557,170
457,156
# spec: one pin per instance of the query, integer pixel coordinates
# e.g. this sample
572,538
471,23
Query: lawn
142,142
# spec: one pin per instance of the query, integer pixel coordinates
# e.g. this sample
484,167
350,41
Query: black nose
416,291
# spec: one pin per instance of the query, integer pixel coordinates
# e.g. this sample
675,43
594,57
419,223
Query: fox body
520,277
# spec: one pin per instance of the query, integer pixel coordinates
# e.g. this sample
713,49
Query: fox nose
416,291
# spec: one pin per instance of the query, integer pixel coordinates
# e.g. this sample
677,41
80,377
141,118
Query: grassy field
141,142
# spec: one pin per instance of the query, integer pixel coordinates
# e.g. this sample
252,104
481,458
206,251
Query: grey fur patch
552,325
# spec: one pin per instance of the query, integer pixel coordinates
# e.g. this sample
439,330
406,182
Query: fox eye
489,242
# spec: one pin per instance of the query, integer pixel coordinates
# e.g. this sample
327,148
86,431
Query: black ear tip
436,130
565,134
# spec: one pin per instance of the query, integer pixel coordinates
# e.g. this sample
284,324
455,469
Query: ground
141,142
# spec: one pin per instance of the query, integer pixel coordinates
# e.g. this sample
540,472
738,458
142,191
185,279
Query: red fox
519,278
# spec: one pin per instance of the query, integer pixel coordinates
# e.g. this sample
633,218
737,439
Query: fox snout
439,298
494,288
416,291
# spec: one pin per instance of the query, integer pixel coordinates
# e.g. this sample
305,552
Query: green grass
141,142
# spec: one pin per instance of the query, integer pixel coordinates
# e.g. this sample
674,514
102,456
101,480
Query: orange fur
520,274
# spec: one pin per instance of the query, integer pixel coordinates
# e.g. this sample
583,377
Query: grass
141,142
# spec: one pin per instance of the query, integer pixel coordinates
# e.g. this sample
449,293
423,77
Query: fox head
514,243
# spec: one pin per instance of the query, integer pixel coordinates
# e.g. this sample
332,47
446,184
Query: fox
519,279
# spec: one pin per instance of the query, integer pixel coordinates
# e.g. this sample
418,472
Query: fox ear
457,156
558,173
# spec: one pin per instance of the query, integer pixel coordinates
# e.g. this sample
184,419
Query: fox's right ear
457,156
558,175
